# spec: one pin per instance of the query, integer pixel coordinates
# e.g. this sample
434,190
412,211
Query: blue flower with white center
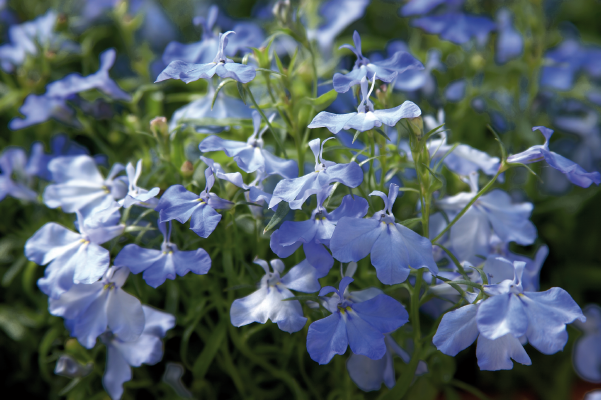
361,325
315,233
510,43
159,265
53,103
574,172
492,212
366,117
147,349
90,309
587,349
268,301
369,374
74,257
17,172
179,204
457,27
251,156
296,191
79,186
394,248
221,65
386,70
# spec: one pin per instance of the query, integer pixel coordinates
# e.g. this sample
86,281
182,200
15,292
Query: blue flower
79,186
574,172
14,163
510,43
251,156
386,70
421,7
492,212
53,103
455,92
136,195
499,265
334,21
423,80
296,191
60,146
360,324
394,248
563,63
179,204
221,65
369,374
74,258
224,108
146,349
316,232
268,301
366,117
457,27
90,309
587,349
159,265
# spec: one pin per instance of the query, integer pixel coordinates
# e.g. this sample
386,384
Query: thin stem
372,146
470,389
275,135
472,201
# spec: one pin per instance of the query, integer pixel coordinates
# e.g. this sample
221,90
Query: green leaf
242,92
269,71
279,215
411,221
205,359
278,62
381,132
321,102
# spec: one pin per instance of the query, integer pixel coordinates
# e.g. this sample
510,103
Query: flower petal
502,314
494,355
327,337
457,330
354,238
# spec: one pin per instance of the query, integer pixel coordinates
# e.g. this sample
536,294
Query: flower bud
417,126
158,126
187,168
69,367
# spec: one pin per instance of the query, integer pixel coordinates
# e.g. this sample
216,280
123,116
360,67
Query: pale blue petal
49,242
457,330
239,72
368,374
510,221
500,315
204,220
587,357
279,249
136,258
363,338
125,315
494,355
197,262
574,172
157,323
350,175
334,122
382,312
363,121
288,189
342,83
470,234
354,238
177,203
326,338
215,143
93,322
117,372
76,301
58,276
92,265
278,166
318,257
351,207
392,115
163,269
302,278
187,72
291,232
146,349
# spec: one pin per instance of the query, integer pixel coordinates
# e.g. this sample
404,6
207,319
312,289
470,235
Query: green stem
275,135
470,389
472,201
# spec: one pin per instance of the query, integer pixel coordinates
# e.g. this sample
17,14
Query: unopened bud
158,126
69,367
187,168
417,126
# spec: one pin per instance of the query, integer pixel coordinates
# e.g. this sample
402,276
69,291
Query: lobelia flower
510,43
221,65
420,7
79,186
574,172
60,146
369,374
386,70
414,80
492,212
316,232
360,324
457,27
333,22
268,301
366,117
90,309
74,257
499,265
296,191
53,103
586,356
394,248
14,163
179,204
251,156
146,349
566,61
159,265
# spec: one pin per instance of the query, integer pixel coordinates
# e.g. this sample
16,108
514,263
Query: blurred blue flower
366,117
421,7
574,172
251,156
159,265
53,103
74,258
394,248
563,63
492,212
415,80
360,324
60,145
79,186
268,301
179,204
221,65
296,191
510,43
316,232
90,309
17,172
587,349
455,92
386,70
123,354
457,27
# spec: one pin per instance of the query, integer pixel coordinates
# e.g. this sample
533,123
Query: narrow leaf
279,215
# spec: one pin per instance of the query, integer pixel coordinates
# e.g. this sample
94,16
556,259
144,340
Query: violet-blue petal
136,258
382,312
204,220
500,315
302,278
343,82
457,330
239,72
494,355
363,338
574,172
117,372
455,92
326,338
177,203
279,166
318,257
457,27
349,174
354,238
